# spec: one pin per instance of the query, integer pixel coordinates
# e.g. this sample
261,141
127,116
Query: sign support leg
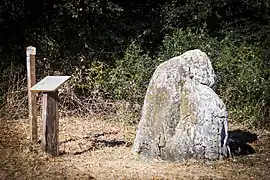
50,132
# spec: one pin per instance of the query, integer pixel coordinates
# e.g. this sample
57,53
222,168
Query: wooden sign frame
50,132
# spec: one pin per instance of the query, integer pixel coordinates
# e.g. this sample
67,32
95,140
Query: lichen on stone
182,117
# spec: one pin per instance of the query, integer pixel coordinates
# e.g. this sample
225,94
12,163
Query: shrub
242,83
241,74
131,74
181,41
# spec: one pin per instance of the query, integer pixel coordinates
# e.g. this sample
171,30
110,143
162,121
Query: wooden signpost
49,87
50,133
31,81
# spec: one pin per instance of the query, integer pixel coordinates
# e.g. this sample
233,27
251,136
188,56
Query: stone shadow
91,143
238,142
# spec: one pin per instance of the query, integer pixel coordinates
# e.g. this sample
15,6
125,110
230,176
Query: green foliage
243,85
181,41
129,78
241,74
91,80
242,80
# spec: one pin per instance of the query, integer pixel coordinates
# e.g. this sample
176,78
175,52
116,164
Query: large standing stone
182,116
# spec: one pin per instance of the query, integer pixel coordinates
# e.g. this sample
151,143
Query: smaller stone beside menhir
182,116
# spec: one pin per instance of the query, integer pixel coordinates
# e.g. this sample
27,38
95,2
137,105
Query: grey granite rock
182,116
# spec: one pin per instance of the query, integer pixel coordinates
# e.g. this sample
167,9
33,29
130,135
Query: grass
100,148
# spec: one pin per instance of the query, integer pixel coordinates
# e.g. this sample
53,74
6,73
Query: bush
241,73
181,41
242,82
129,78
131,74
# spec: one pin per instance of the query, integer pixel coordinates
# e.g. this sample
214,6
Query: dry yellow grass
99,149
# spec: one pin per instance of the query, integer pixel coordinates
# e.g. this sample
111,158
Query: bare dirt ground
101,149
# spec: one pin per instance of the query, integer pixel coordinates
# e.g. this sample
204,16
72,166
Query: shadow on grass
94,143
238,142
98,144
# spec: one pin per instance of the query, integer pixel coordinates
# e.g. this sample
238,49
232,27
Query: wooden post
50,133
31,79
